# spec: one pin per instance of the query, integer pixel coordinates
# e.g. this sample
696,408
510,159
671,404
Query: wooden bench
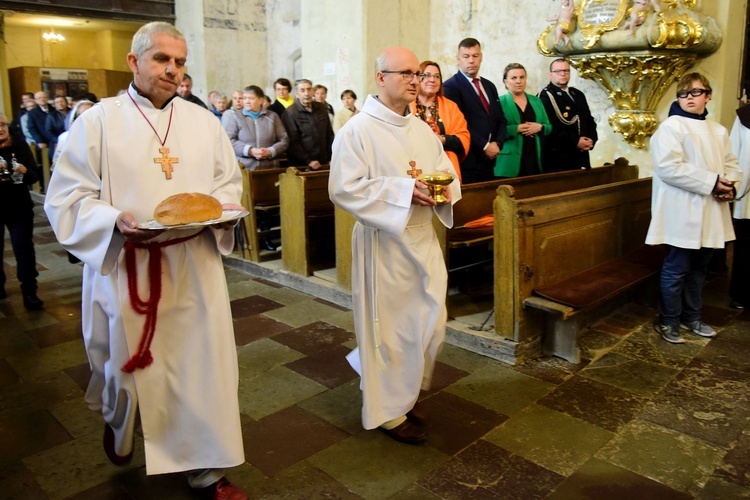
344,227
566,302
570,235
477,201
307,221
468,250
41,157
260,195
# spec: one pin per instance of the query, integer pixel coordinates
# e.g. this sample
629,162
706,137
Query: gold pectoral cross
167,163
414,172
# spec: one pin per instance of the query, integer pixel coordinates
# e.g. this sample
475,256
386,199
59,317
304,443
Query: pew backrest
304,197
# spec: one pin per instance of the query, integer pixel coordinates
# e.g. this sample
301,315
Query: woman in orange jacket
441,114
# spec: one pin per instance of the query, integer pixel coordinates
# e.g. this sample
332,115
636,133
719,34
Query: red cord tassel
143,357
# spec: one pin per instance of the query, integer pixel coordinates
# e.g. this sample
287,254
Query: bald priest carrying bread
156,317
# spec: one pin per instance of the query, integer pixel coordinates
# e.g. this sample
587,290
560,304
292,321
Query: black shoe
73,259
736,305
263,224
265,244
32,302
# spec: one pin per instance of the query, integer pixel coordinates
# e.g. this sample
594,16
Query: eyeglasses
427,76
695,93
3,125
407,75
559,71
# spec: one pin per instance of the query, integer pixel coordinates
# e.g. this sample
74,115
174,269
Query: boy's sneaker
699,328
669,333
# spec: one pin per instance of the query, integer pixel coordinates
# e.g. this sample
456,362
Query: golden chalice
436,183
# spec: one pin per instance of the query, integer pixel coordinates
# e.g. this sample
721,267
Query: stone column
7,105
341,41
227,44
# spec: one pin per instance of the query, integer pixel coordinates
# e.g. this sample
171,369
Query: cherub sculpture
637,14
564,20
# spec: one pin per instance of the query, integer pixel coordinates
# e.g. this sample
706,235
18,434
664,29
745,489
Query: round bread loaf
185,208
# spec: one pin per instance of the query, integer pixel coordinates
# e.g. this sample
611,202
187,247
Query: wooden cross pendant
414,172
166,162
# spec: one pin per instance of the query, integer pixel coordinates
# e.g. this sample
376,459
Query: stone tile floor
639,418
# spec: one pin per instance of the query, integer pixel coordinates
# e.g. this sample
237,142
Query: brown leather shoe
221,490
417,415
109,448
407,432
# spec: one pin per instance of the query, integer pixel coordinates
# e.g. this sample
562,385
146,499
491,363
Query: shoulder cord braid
560,117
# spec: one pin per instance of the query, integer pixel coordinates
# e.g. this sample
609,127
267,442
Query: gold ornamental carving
678,31
634,83
634,50
596,17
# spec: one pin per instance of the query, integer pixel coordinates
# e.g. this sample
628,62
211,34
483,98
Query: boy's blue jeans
682,277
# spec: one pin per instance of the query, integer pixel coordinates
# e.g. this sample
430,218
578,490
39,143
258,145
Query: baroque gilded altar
634,49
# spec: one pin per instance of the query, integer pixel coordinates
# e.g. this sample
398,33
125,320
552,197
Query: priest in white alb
399,279
156,319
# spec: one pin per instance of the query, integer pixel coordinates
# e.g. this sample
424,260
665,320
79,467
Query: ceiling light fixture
53,37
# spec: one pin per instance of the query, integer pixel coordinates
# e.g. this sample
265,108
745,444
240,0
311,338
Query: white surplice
399,279
188,396
689,155
740,139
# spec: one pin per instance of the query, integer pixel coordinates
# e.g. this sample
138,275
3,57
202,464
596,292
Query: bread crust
186,208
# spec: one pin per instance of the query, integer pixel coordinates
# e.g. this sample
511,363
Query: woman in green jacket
521,154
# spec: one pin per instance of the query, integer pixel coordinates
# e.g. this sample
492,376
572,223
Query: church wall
284,39
724,67
81,49
104,46
339,50
23,46
112,48
396,22
121,41
102,53
236,41
332,44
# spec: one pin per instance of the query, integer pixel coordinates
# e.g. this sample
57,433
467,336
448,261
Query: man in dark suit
477,99
38,119
573,128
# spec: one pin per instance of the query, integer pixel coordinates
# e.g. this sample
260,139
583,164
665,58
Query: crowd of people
36,125
483,134
94,207
41,124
